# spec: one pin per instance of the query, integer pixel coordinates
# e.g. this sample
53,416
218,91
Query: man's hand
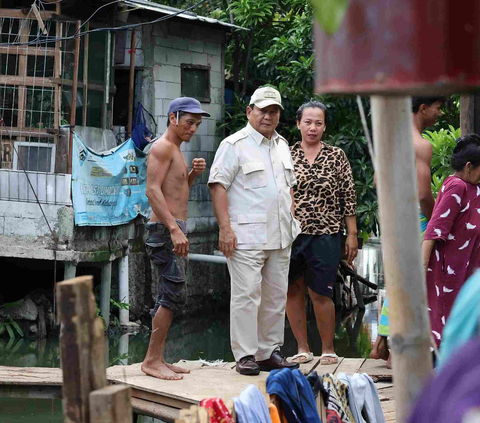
198,166
180,242
351,248
227,242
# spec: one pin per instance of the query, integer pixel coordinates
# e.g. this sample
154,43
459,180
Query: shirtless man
425,112
168,186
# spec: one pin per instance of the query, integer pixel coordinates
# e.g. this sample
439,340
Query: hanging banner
108,188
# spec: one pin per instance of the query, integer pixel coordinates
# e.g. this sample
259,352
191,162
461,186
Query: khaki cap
266,96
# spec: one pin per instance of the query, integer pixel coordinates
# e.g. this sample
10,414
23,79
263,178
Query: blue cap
186,104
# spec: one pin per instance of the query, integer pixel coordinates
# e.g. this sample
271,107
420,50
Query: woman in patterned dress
451,246
325,200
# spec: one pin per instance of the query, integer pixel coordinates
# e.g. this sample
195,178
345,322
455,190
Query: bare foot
389,362
380,349
160,371
176,369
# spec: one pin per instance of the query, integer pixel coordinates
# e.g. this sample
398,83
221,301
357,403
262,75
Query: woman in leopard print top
324,198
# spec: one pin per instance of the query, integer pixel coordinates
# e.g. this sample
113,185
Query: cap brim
196,111
265,103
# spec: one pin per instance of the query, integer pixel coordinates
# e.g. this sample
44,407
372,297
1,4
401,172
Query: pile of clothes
295,398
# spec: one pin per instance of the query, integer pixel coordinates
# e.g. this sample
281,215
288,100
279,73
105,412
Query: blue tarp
108,188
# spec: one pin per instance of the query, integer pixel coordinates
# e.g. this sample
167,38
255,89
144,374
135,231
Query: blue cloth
454,391
462,324
423,223
363,396
250,406
298,402
108,188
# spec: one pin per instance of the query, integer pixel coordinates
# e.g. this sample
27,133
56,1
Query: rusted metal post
400,227
131,86
73,108
86,41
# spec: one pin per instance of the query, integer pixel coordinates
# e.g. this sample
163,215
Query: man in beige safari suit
251,182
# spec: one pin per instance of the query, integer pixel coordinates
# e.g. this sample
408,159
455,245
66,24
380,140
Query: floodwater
190,339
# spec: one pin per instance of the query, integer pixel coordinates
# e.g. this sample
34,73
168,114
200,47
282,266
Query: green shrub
443,143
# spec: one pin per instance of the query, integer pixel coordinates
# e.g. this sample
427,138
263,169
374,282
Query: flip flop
302,358
327,359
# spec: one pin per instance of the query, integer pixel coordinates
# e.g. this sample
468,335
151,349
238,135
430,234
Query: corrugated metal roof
167,10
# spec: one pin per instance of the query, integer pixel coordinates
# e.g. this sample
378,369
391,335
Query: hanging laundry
462,324
363,398
298,402
454,391
217,410
250,406
338,410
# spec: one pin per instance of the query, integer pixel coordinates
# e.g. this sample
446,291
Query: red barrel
401,47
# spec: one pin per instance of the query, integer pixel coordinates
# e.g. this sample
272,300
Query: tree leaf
330,13
10,331
17,328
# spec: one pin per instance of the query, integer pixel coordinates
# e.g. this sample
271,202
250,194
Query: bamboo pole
81,347
132,83
400,227
73,109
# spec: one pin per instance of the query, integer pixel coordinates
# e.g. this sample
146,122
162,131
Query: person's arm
227,241
159,161
427,248
351,244
423,160
198,167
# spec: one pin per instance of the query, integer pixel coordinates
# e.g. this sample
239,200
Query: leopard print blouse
325,191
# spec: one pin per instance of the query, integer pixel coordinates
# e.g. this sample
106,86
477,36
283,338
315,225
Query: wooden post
400,227
111,404
470,114
73,109
81,347
131,86
86,40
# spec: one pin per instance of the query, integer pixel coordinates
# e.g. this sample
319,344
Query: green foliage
443,143
330,13
8,324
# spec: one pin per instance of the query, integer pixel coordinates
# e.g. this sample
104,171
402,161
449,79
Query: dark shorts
316,258
169,269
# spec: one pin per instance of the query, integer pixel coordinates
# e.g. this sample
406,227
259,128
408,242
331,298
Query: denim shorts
168,269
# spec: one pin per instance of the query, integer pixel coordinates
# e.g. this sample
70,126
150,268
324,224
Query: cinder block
216,79
200,59
160,55
215,110
193,145
2,225
161,125
173,90
180,43
215,63
195,45
190,224
169,73
21,227
215,49
160,89
177,57
216,95
202,224
213,223
212,127
158,107
188,155
208,143
195,209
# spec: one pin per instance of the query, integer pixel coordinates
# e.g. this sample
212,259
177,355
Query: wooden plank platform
163,399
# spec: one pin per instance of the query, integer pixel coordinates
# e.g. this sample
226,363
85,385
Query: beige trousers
259,281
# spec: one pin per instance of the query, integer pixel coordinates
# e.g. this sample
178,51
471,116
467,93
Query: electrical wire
46,39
